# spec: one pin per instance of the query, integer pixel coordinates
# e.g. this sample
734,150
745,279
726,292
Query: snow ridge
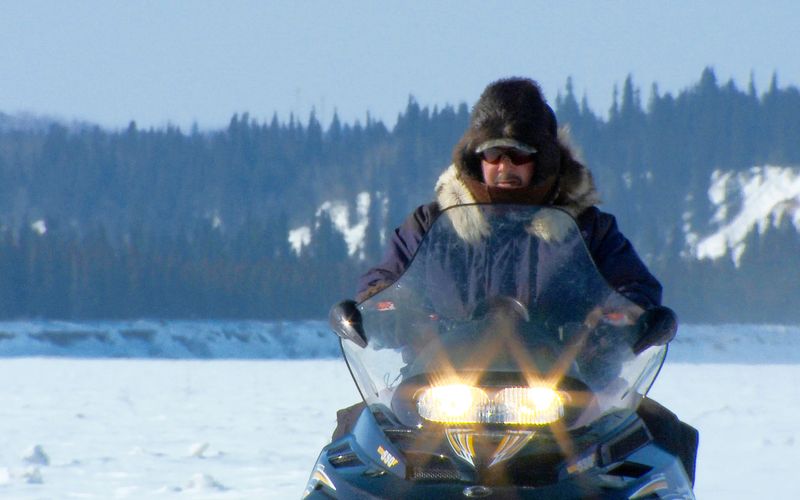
353,230
314,340
169,339
757,199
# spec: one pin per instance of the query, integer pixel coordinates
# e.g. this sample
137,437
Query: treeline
764,288
199,273
653,165
167,223
164,180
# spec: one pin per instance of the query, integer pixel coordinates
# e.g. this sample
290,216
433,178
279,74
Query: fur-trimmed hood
575,191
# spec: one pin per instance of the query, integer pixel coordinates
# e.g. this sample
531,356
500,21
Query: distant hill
24,122
275,220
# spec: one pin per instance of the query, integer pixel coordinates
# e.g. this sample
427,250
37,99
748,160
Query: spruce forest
165,223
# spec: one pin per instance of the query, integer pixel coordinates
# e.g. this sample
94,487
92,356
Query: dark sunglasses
495,155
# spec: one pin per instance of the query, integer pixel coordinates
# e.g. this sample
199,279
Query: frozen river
159,428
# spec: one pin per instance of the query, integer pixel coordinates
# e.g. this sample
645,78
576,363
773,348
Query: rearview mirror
345,320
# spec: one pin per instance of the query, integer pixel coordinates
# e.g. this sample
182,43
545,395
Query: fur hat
512,109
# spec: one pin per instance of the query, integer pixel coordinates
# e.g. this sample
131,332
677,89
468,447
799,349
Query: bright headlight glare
451,404
529,405
465,404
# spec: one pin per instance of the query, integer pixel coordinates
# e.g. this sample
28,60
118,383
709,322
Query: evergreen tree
159,223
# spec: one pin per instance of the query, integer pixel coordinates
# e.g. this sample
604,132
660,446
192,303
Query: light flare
466,404
530,405
453,403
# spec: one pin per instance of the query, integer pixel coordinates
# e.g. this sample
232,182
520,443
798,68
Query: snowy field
183,428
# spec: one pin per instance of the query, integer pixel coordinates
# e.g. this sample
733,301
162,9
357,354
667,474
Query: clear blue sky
155,62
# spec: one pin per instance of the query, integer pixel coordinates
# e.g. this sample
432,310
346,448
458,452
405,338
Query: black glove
657,326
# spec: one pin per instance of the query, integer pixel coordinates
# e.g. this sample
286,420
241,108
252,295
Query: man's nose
505,162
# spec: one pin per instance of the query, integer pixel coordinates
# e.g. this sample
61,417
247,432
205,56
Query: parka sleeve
617,260
400,249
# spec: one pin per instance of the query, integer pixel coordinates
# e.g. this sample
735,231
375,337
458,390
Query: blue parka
613,254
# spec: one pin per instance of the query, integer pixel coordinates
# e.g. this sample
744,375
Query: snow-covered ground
166,428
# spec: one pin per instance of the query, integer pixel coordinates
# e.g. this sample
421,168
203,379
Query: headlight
529,405
464,404
452,404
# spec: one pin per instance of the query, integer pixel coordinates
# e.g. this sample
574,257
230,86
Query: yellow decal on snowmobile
386,457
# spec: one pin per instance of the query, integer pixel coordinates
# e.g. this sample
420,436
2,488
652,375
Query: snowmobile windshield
501,313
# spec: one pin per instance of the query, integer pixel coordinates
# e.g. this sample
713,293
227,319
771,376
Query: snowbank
314,340
169,339
736,344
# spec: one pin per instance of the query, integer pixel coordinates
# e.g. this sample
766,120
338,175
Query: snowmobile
500,365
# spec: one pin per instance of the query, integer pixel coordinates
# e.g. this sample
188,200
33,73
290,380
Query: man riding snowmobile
514,153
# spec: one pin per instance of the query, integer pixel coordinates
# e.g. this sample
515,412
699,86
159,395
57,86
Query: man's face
502,171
